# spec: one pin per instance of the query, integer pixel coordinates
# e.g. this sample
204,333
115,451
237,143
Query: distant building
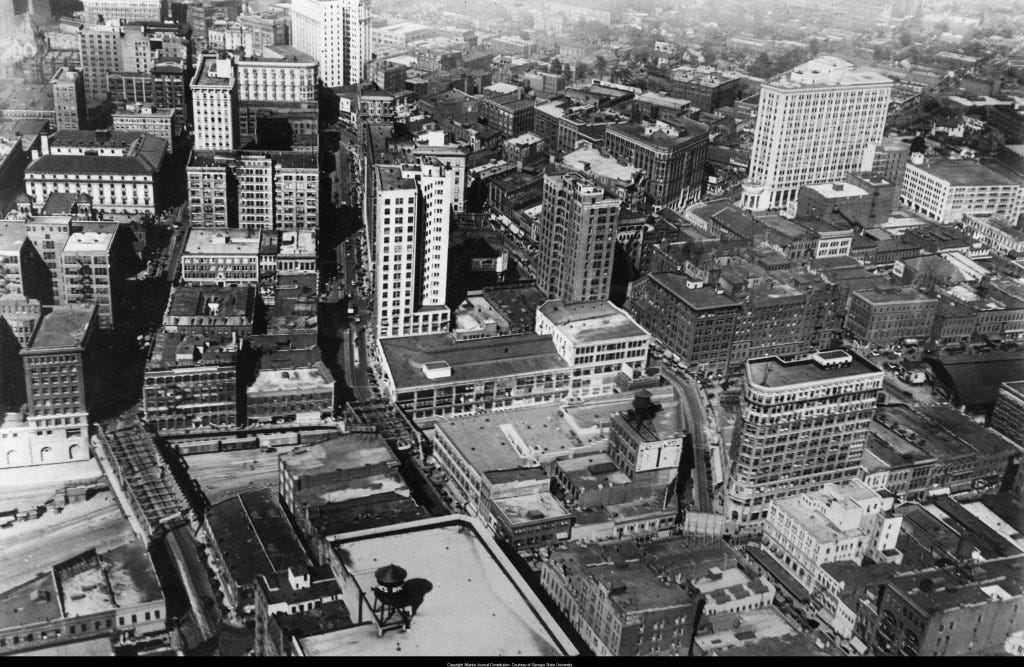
69,99
511,114
337,34
292,393
784,451
214,104
946,190
191,380
413,208
920,451
1008,415
210,310
792,148
673,158
597,339
638,603
96,11
996,232
97,262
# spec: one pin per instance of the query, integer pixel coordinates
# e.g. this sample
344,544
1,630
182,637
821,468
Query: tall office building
803,423
577,239
337,34
673,157
99,51
214,104
815,124
69,99
413,208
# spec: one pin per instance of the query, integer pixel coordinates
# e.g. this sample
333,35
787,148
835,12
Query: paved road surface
692,406
35,546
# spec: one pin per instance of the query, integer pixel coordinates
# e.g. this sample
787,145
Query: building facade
947,190
214,104
803,423
337,34
413,214
576,239
885,317
672,156
69,99
815,123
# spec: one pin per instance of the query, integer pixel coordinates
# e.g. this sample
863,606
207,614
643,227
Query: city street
692,408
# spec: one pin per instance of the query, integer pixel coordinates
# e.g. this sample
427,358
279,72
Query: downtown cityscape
526,330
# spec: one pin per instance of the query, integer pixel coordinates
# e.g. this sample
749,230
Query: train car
198,447
278,439
237,444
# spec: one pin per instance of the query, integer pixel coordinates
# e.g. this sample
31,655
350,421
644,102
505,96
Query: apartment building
214,104
254,189
97,261
69,99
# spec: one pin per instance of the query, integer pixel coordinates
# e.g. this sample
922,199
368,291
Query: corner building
803,423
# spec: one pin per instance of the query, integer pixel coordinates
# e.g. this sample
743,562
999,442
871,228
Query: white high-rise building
214,104
337,34
815,124
413,208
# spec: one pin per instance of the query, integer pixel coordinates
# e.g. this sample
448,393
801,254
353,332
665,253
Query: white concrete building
815,124
841,522
214,104
597,338
337,34
947,190
413,207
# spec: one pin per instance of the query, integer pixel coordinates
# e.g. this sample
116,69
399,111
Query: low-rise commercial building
946,190
1008,415
997,232
672,156
915,452
884,317
292,393
844,521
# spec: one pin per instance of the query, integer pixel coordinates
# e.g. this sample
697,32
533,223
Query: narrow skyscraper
413,207
337,34
577,239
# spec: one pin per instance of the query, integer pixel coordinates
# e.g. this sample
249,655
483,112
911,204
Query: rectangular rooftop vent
832,358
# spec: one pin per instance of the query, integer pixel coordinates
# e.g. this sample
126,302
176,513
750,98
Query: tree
582,70
815,46
555,67
600,64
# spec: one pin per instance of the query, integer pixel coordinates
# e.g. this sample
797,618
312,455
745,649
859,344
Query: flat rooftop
469,360
592,321
292,380
703,298
346,452
287,159
529,508
514,439
602,165
967,173
217,241
254,536
63,326
660,138
781,372
827,71
475,604
206,75
89,242
121,577
1002,579
592,472
34,601
205,300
